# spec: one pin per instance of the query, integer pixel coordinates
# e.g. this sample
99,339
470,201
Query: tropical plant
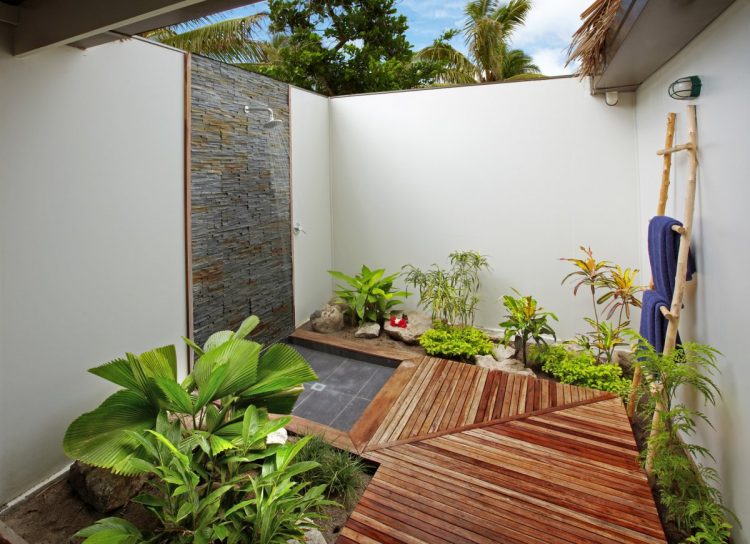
370,295
462,343
580,368
219,490
619,295
525,320
229,374
450,294
687,488
228,40
487,30
341,473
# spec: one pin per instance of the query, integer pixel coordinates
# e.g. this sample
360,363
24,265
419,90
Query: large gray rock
368,330
102,489
329,319
419,323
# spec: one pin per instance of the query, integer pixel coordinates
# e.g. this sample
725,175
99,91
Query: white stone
502,352
511,365
419,323
368,330
278,437
312,536
487,361
329,319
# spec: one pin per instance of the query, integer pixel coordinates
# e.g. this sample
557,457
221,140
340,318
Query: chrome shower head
272,121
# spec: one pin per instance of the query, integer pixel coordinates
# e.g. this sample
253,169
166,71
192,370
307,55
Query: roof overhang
40,24
646,34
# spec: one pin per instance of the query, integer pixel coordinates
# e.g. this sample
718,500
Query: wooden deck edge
482,424
9,536
375,413
362,347
334,437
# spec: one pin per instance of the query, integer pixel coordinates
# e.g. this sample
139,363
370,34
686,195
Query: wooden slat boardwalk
477,456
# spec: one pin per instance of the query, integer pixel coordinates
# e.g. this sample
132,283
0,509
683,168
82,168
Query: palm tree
487,30
230,40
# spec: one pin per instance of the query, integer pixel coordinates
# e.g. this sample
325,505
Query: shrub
525,319
462,343
370,295
341,473
581,368
450,294
687,489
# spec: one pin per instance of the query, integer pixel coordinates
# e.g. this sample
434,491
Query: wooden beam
48,23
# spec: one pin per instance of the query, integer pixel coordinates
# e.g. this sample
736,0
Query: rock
623,358
312,536
278,437
368,330
419,323
329,319
335,301
511,365
502,353
527,372
487,361
102,489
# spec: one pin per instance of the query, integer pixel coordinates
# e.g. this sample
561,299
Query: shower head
272,121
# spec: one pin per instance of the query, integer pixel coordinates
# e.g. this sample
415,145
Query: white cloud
547,33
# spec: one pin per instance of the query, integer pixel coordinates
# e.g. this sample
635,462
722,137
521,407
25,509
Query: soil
54,514
337,516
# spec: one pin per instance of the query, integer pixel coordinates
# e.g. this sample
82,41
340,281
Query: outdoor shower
272,121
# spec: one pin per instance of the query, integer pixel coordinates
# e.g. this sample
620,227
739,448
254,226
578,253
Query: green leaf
281,367
98,437
217,339
247,327
177,399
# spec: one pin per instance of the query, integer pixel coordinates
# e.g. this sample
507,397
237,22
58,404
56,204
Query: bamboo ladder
685,232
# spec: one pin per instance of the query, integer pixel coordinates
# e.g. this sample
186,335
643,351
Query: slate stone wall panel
241,221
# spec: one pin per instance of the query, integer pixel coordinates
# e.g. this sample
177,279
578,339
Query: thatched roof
587,45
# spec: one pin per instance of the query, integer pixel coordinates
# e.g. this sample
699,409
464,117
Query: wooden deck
468,455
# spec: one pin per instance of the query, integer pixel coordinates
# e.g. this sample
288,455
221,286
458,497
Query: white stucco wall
716,310
311,201
523,172
91,234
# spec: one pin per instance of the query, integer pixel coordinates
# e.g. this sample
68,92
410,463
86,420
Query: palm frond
230,40
456,68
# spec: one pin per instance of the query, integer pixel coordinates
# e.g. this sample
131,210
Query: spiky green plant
229,374
525,320
370,295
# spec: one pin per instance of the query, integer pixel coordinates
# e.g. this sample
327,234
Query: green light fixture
686,88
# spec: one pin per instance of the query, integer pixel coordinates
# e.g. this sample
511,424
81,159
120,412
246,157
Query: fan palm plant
487,29
230,374
231,40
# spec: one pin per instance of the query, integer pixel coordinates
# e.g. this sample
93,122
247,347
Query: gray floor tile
350,414
322,363
376,382
303,395
322,406
350,376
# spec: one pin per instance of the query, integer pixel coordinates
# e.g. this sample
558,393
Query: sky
545,36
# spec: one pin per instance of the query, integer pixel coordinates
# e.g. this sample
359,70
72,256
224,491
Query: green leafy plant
580,368
230,373
370,295
210,491
525,320
687,489
341,473
450,294
461,343
616,289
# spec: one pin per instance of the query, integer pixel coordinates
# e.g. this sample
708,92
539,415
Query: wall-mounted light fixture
685,88
611,98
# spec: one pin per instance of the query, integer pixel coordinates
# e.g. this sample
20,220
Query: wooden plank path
468,455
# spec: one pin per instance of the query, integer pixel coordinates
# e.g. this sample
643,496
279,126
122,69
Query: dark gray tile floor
345,388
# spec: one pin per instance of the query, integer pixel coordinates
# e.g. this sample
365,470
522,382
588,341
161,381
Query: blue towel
663,248
653,323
